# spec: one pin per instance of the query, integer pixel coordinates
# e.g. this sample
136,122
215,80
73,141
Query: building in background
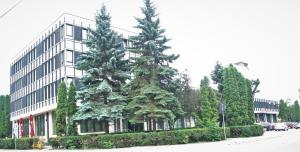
266,110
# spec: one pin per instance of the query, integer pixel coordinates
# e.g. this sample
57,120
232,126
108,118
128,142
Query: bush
68,142
7,143
22,143
106,141
246,131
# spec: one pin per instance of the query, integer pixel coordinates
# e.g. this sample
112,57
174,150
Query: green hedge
105,141
23,143
246,131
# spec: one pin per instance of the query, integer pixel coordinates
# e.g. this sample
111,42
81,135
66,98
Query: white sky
263,33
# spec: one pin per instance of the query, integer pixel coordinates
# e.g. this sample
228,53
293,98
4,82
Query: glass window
69,30
70,56
84,34
77,33
40,125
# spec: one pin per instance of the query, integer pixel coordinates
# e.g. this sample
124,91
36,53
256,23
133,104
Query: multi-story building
266,110
37,71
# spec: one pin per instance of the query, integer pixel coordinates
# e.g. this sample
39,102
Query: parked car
266,125
297,126
291,125
281,126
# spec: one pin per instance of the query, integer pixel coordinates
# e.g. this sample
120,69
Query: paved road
283,141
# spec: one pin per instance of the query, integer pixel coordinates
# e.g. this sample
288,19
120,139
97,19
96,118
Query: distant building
266,110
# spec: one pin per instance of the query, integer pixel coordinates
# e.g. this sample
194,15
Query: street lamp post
222,109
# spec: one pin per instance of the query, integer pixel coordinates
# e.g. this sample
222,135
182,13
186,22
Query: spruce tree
217,76
209,105
106,71
150,87
71,110
61,110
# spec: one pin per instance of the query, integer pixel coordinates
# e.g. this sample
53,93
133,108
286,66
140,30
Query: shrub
38,144
7,143
246,131
22,143
105,141
67,142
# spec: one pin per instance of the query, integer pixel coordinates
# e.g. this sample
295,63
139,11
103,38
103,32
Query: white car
280,126
297,126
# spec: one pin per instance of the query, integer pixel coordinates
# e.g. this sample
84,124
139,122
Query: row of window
37,96
38,50
75,32
49,66
266,105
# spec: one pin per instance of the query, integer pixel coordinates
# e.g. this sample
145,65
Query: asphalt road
274,141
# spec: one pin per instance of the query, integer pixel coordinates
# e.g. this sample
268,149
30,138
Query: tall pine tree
61,110
209,105
105,70
149,89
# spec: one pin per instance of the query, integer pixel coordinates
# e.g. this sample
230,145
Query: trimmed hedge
22,143
246,131
106,141
119,140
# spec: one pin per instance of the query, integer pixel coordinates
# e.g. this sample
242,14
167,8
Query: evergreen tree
150,87
283,110
105,70
217,76
232,97
186,95
209,105
5,123
61,110
250,100
296,112
71,110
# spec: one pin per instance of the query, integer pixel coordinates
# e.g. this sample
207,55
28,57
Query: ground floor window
92,125
40,125
26,128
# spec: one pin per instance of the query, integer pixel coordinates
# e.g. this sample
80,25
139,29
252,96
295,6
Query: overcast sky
263,33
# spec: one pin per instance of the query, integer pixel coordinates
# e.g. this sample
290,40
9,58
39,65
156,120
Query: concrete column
50,124
46,127
145,126
121,125
111,127
265,117
271,117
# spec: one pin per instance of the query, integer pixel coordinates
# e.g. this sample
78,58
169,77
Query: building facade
37,71
266,110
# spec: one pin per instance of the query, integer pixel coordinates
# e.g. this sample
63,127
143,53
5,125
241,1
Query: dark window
57,36
77,33
39,49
